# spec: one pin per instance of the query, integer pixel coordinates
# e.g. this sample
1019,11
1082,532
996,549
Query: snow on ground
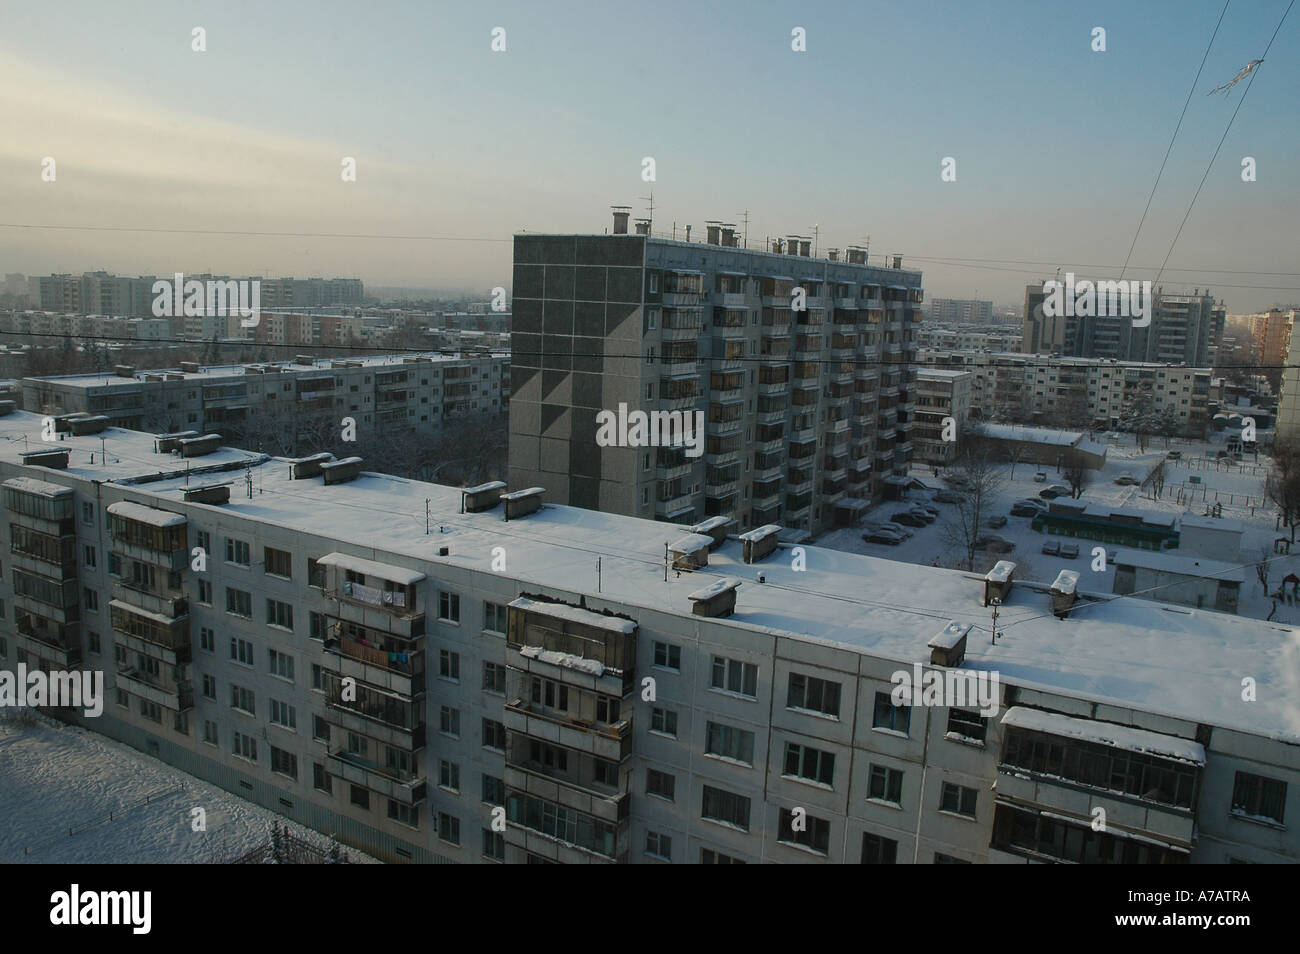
1237,487
53,776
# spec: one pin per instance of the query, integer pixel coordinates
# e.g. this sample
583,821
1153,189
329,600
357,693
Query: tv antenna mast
651,199
746,221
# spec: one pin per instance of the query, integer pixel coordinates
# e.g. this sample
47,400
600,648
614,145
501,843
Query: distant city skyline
1056,146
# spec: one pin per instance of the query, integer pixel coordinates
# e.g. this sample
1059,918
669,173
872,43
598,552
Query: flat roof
1167,562
1176,661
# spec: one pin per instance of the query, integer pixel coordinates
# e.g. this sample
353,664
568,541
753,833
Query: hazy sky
1056,146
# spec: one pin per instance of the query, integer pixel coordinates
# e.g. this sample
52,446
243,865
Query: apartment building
941,395
965,311
56,324
959,339
416,392
1182,329
1272,337
416,685
1080,392
806,411
104,293
1288,405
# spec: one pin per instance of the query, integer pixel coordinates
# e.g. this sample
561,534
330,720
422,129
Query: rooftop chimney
712,230
997,584
688,233
949,647
621,212
715,600
805,247
520,503
792,244
729,234
642,226
759,542
898,261
1064,591
833,254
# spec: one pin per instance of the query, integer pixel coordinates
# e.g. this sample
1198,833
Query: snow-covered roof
521,494
33,486
484,488
1106,733
951,635
714,589
1001,572
383,571
691,543
1067,581
760,533
592,667
1185,663
159,618
147,515
1036,435
713,523
575,614
1225,524
1165,562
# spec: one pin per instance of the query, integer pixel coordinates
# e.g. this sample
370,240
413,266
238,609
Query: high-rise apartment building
943,395
963,311
801,368
431,674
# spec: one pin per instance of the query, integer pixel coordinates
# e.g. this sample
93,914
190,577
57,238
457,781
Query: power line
1222,138
1170,148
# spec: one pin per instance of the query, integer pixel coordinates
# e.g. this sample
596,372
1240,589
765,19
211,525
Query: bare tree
1261,569
1282,486
1075,472
978,470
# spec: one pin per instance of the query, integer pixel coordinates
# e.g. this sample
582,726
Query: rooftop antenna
816,230
746,219
995,603
651,199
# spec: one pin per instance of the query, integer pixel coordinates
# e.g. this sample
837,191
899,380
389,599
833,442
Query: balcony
729,299
562,833
390,721
391,782
679,299
59,645
376,609
605,741
402,673
178,697
673,507
172,607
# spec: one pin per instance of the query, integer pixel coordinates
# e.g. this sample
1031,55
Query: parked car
1052,548
895,528
908,519
926,508
1174,455
1054,491
1040,477
994,543
948,496
1023,509
925,515
1070,550
1125,479
997,522
956,480
882,536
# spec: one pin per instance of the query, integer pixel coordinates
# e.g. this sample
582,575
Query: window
91,600
449,721
958,799
608,709
317,678
205,592
87,512
658,846
239,602
92,641
448,828
241,651
242,699
1258,797
668,656
90,556
889,716
728,742
448,607
210,732
320,729
114,563
661,784
277,562
207,640
283,714
802,761
654,284
209,687
449,775
244,746
279,615
810,832
281,665
315,574
494,677
710,857
664,720
877,850
732,675
818,695
885,784
546,692
725,807
203,541
494,845
359,797
449,664
320,779
237,552
967,724
942,859
495,618
494,790
284,763
494,735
